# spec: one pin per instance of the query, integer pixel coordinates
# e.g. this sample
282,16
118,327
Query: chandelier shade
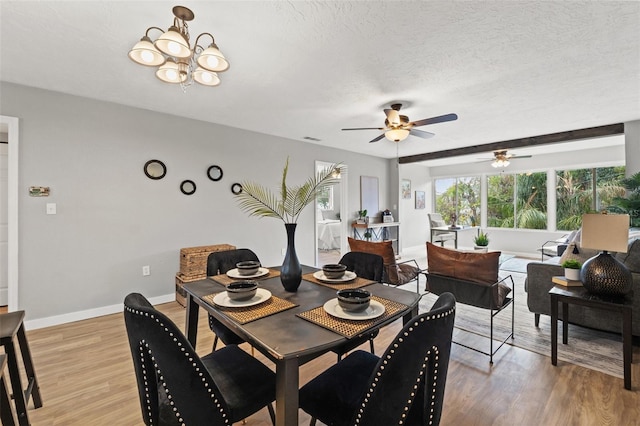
500,162
212,59
145,53
396,135
177,61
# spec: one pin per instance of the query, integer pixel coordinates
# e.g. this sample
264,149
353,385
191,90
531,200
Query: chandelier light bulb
173,43
206,77
212,59
169,72
145,53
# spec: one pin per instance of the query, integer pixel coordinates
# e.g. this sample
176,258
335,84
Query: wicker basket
193,260
181,295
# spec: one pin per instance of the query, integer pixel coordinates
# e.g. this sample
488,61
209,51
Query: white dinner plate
374,310
348,276
233,273
222,299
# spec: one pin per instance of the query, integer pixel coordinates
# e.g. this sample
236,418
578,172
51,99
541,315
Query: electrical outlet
146,271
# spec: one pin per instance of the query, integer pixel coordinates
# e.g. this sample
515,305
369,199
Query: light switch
51,208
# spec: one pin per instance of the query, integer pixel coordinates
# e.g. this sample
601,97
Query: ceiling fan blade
392,116
433,120
521,156
421,133
377,139
365,128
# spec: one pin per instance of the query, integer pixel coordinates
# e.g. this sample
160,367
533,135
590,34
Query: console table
380,231
580,296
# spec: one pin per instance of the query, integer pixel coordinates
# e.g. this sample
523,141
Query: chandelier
177,62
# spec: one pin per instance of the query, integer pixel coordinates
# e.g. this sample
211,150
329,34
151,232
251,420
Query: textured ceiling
309,68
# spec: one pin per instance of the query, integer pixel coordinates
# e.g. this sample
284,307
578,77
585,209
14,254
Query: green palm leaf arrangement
257,200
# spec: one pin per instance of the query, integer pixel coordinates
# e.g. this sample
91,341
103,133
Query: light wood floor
86,378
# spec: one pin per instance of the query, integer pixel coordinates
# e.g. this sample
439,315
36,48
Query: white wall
111,219
632,146
414,223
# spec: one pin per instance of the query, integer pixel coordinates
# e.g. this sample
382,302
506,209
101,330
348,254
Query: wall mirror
236,188
214,173
369,195
188,187
155,169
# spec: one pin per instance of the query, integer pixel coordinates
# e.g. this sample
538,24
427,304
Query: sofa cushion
475,267
574,251
631,258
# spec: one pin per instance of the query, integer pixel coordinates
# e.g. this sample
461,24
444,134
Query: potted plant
572,269
256,200
481,241
362,215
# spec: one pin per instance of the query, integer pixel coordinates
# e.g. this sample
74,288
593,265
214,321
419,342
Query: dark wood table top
284,335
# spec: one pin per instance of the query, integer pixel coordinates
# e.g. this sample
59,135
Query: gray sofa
538,284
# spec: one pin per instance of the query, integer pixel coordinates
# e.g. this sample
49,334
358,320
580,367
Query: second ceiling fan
398,127
502,159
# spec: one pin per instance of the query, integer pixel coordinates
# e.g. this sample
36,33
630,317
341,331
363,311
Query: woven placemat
357,283
224,279
251,313
350,328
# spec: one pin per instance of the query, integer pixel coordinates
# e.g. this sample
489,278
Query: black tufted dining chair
221,262
371,267
177,387
403,386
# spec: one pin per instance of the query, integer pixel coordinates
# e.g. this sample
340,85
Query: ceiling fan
398,127
502,159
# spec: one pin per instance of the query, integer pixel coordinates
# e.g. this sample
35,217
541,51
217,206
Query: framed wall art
419,199
405,189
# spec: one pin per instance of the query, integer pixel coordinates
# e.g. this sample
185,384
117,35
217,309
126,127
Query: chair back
366,265
435,220
410,377
383,249
221,262
173,384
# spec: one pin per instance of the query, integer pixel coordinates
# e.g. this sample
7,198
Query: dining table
293,328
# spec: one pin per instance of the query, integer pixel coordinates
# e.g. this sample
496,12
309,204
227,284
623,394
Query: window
517,200
459,196
583,191
325,198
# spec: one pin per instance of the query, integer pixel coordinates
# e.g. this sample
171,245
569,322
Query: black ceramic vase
291,271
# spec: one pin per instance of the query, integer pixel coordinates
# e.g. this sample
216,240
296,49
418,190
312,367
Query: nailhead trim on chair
161,379
392,350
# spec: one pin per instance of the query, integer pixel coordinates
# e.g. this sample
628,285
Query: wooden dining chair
405,386
221,262
368,266
177,387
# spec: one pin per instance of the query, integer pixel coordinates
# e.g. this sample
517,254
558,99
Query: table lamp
603,273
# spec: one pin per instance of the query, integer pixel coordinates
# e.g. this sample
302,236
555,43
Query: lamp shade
500,163
607,232
212,59
169,72
145,53
396,135
206,77
173,43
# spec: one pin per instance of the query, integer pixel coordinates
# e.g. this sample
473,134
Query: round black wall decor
214,173
236,188
155,169
188,187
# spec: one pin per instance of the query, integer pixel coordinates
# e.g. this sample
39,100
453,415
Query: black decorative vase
291,271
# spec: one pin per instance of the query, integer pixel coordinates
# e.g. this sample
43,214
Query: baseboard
89,313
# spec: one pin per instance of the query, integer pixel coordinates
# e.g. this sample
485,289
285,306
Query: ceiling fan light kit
177,61
398,127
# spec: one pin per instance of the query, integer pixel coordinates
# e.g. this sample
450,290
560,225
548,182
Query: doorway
331,219
9,213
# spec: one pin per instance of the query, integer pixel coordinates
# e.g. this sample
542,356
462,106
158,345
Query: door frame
13,125
344,210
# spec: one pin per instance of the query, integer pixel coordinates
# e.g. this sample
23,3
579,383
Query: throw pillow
475,267
383,249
